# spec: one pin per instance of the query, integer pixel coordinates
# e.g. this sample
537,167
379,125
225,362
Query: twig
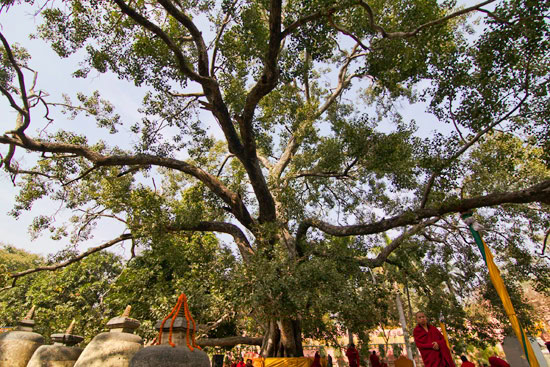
87,172
217,40
347,33
227,157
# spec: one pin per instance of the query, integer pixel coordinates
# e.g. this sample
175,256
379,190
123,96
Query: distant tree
74,292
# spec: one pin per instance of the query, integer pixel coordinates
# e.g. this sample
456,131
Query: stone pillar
61,354
17,347
168,356
115,348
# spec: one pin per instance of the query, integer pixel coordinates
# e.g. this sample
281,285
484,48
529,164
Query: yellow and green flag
494,273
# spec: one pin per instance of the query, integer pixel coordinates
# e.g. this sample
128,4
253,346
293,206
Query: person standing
431,344
316,360
466,363
374,360
353,356
241,362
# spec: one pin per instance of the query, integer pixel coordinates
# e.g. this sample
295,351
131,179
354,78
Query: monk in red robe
494,361
353,356
430,342
466,363
374,360
241,362
316,360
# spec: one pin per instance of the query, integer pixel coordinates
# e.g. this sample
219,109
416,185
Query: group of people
240,362
429,341
434,350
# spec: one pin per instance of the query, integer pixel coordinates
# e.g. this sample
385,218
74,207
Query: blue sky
54,76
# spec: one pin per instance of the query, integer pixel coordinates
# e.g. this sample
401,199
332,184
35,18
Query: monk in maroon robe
494,361
431,343
466,363
374,360
353,356
316,360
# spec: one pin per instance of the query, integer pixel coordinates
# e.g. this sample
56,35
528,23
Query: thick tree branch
270,74
412,33
212,182
536,193
68,262
266,83
230,341
269,77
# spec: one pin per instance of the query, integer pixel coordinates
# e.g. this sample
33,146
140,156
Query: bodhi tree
279,124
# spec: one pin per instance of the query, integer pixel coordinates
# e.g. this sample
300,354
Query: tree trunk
283,338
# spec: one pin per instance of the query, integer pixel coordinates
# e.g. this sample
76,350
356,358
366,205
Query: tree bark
283,338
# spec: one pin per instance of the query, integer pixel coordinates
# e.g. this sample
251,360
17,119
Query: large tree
301,153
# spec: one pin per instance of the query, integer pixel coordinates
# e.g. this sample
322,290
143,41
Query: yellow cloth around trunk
286,362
